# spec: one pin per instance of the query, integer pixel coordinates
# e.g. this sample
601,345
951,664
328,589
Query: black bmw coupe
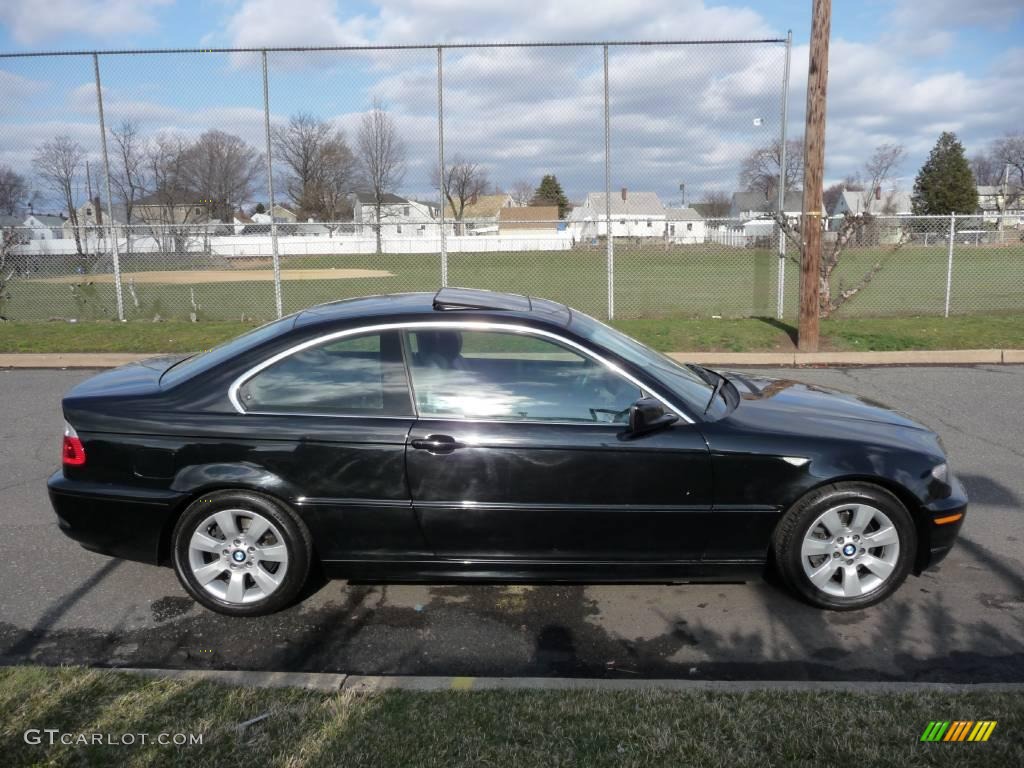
487,436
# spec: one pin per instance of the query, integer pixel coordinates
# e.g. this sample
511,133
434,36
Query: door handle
437,444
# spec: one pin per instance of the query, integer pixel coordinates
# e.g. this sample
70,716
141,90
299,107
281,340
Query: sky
900,71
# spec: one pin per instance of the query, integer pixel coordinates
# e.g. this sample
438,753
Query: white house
633,214
684,226
875,202
1001,203
44,227
399,217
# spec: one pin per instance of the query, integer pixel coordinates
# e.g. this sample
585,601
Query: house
525,221
240,220
92,214
172,206
633,214
283,214
398,216
480,214
876,203
754,205
997,202
684,226
9,222
44,227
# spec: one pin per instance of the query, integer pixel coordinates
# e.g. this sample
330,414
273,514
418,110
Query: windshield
211,358
682,380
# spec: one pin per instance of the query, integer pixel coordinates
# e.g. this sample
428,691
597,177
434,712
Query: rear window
204,361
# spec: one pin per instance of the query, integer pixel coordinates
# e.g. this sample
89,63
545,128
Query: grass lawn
494,728
697,281
668,334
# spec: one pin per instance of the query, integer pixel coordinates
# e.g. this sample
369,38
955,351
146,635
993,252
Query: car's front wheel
845,546
241,553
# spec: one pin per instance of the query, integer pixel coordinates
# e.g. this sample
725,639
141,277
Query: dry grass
495,728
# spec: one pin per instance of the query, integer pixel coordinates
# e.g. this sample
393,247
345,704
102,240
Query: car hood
789,401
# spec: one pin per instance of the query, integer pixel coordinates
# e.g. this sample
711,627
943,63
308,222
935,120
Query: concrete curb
773,359
322,681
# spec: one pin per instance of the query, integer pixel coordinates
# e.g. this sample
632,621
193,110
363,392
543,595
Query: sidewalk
722,359
325,681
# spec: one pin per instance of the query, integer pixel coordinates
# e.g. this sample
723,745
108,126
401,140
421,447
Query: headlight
941,473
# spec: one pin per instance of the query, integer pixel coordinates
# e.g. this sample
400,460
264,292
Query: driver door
521,450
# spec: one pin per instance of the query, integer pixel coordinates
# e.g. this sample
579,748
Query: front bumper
939,538
113,520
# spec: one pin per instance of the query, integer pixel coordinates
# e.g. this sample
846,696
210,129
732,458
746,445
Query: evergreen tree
945,183
260,208
550,193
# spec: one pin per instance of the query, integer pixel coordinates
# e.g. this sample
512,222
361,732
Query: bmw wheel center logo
238,555
849,550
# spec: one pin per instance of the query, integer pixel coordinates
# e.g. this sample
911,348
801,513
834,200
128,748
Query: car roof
446,301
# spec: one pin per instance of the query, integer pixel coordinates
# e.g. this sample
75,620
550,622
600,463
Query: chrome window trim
473,325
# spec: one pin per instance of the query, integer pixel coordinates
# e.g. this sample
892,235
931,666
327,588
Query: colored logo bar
958,730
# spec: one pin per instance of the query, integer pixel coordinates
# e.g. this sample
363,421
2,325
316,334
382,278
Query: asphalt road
961,623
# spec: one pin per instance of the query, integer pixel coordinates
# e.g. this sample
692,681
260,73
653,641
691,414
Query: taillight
72,453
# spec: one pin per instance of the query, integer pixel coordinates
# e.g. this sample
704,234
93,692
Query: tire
229,571
822,546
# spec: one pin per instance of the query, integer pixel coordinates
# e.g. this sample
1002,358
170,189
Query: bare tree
222,169
522,192
987,169
878,170
759,171
716,205
1008,152
13,190
319,166
463,182
172,209
382,156
128,176
58,163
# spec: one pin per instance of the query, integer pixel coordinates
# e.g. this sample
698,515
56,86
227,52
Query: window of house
689,226
357,376
497,375
398,229
405,211
648,222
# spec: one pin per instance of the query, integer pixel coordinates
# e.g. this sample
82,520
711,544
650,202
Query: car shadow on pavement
932,629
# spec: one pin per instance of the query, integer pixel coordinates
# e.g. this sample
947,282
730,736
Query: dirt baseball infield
192,277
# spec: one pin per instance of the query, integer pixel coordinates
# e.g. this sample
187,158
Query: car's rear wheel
845,546
241,553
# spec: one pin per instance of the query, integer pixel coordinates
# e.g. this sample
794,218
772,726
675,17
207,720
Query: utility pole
814,166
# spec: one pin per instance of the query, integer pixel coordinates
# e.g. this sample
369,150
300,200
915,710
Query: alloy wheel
238,556
850,550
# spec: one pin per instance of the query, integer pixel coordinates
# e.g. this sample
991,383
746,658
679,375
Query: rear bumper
941,537
113,520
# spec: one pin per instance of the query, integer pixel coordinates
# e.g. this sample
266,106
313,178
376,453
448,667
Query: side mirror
649,415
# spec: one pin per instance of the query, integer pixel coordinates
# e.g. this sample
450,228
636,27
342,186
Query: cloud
31,22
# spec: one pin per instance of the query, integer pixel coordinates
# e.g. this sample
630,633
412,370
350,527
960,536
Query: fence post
608,239
949,261
118,292
440,161
275,256
781,290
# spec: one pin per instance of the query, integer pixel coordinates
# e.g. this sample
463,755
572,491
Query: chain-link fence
240,184
885,265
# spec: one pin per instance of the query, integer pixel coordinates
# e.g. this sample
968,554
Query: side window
502,375
357,376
